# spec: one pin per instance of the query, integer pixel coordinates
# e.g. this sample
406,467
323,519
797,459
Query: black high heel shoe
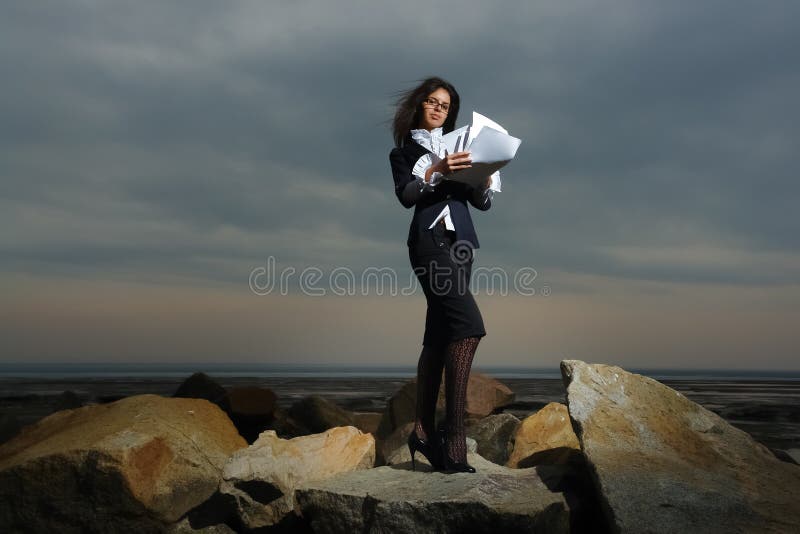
447,463
427,447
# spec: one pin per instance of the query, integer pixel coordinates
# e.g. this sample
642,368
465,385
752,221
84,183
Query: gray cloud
200,137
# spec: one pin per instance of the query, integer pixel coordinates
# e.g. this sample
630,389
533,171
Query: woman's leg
429,378
458,361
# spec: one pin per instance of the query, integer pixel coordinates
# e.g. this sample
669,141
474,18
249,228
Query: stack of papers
490,147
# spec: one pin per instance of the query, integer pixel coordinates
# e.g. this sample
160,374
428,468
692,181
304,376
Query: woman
440,243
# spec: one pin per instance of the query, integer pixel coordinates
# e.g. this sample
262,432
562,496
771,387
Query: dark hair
409,106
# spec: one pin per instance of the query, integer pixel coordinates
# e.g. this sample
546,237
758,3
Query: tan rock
486,394
549,429
135,463
665,464
262,477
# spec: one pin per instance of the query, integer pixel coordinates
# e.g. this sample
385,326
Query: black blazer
429,203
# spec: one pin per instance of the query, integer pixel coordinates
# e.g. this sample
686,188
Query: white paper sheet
490,147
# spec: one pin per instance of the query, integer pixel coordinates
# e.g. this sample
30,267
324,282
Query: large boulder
317,414
259,481
367,422
485,395
395,499
494,435
284,426
545,437
662,463
135,464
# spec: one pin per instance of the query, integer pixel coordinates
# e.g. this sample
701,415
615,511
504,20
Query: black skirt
443,267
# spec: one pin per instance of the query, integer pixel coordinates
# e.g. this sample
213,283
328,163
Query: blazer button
449,195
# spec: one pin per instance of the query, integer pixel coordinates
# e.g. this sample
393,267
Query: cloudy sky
156,154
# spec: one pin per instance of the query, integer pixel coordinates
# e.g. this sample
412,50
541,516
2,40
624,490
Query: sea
765,403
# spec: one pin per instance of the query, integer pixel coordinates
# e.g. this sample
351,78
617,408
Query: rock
318,414
662,463
391,447
202,386
367,422
545,437
494,436
218,511
395,499
395,449
794,454
252,409
484,395
401,409
260,480
184,526
284,426
136,464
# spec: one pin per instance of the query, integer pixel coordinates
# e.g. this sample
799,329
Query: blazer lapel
414,151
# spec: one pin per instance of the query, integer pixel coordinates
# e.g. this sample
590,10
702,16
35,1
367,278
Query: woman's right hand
454,162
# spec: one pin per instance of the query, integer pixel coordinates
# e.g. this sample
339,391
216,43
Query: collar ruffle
432,140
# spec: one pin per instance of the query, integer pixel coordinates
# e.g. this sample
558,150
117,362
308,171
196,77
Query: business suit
429,204
442,259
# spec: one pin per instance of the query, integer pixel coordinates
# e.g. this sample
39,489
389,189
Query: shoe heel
413,451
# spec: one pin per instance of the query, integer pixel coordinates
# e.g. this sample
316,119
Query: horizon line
381,366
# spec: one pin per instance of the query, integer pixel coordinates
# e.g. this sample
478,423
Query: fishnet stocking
429,378
457,365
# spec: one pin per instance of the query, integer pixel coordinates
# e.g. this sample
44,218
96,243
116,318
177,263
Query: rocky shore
623,453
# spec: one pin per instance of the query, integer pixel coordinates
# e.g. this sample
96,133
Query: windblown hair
409,108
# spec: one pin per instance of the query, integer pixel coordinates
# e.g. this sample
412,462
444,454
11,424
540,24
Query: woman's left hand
488,182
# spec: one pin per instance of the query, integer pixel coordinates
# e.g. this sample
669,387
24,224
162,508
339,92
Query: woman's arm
481,197
407,187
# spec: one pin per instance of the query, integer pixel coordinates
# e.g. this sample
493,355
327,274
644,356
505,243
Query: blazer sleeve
481,198
407,187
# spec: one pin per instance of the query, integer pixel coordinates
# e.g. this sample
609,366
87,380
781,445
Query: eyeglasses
433,103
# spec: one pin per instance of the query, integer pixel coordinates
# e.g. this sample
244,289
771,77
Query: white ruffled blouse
432,140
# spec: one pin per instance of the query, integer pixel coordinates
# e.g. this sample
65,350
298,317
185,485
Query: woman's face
433,115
